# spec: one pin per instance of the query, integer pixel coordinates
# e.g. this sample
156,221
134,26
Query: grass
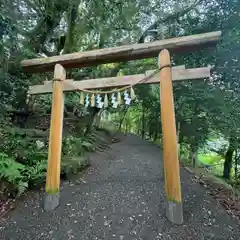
209,158
213,160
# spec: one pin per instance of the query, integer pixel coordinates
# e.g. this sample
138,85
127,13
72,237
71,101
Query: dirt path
121,197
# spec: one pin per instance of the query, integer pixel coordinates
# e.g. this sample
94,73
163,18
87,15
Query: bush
12,172
35,175
23,160
73,165
75,146
23,148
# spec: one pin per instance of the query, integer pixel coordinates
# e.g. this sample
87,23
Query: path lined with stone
121,197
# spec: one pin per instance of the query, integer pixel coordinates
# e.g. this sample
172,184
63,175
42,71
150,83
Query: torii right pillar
170,147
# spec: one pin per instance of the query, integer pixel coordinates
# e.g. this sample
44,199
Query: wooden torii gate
59,84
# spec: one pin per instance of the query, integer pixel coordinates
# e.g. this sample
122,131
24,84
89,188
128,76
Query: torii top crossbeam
123,53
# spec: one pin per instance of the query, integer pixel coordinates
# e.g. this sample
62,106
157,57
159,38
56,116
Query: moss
173,200
52,191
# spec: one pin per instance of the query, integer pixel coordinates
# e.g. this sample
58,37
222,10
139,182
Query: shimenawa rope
123,88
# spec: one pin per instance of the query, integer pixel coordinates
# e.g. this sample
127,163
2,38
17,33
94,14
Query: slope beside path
121,196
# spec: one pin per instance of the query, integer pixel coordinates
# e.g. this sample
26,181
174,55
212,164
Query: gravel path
121,197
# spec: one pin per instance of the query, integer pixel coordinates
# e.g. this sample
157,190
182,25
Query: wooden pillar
170,149
55,141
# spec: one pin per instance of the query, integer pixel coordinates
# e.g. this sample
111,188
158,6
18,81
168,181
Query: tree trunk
126,126
181,142
72,16
92,116
180,151
47,24
194,159
193,152
139,126
143,122
122,119
150,130
98,118
236,166
155,137
228,159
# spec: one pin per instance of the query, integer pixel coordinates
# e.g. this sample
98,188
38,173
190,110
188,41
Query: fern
22,187
35,174
31,171
10,170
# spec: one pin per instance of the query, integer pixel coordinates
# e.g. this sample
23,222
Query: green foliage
73,165
35,175
75,146
22,147
23,158
10,169
209,159
12,172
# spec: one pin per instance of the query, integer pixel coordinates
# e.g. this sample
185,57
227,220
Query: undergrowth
23,159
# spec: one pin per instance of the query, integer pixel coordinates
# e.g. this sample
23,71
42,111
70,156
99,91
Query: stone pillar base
174,212
51,201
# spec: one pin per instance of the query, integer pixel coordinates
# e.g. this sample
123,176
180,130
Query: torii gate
59,84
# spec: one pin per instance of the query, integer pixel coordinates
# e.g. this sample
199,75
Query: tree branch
175,15
46,25
33,6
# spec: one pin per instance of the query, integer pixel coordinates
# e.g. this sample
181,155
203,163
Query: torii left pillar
55,141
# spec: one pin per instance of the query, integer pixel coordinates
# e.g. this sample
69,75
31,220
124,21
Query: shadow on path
121,196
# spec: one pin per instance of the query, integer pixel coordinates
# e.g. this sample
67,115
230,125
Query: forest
207,118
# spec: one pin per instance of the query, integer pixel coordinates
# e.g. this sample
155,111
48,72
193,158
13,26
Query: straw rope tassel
92,100
132,94
119,100
81,100
106,101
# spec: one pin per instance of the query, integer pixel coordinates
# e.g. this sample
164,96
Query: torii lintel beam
178,73
122,53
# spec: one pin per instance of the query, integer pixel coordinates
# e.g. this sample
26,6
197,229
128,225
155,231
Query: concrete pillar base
51,201
174,212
